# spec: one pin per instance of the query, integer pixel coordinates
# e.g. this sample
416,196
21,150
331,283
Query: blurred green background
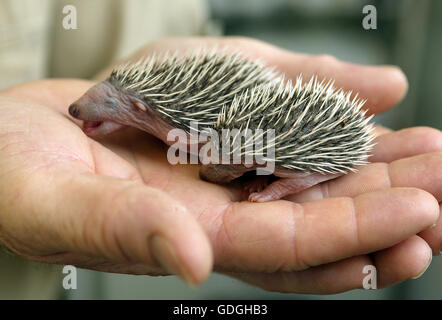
409,34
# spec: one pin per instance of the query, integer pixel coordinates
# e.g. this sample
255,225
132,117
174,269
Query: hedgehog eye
140,106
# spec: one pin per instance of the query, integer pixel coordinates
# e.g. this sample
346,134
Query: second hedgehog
319,133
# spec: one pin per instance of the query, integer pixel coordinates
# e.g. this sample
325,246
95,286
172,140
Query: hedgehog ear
140,106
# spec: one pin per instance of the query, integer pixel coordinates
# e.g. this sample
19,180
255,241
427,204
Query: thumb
112,219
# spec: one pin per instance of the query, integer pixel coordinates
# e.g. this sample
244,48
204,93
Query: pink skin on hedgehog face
95,108
105,109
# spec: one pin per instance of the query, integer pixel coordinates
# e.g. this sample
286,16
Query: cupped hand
117,205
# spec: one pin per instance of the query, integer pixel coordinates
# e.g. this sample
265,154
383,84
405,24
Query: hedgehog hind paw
256,185
286,186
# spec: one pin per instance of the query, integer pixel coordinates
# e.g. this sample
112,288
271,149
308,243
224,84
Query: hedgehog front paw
286,186
256,185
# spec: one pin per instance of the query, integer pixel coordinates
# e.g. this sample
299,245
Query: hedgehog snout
74,110
83,109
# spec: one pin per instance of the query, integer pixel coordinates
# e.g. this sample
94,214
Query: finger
109,219
329,278
381,130
382,86
406,260
433,236
423,171
406,143
285,236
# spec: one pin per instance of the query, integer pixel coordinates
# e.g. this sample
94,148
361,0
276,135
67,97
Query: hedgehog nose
74,110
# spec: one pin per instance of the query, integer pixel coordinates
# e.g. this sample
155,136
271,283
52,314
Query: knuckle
325,59
296,258
227,218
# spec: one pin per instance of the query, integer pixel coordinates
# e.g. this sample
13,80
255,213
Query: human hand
117,205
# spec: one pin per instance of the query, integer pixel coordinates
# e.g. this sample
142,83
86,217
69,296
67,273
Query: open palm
117,205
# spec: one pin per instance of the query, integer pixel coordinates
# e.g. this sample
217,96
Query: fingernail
425,269
165,255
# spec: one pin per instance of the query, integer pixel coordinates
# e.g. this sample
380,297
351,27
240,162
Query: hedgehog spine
318,128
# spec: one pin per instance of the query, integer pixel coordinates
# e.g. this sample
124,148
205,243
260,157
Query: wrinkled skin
117,205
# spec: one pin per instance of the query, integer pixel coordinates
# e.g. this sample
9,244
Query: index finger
382,86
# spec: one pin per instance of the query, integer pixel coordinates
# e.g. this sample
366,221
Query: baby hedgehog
318,132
